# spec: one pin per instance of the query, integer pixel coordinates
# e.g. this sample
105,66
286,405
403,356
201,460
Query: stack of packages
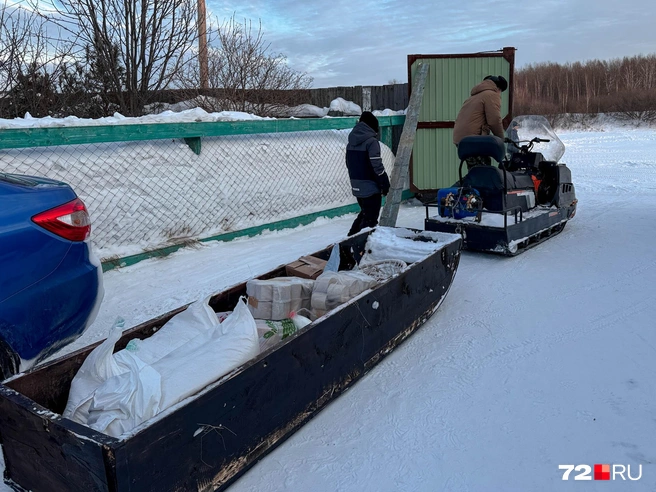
314,286
283,305
275,298
274,304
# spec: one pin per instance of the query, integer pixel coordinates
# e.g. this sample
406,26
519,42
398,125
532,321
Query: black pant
368,216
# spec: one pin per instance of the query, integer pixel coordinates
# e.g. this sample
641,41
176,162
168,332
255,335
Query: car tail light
70,220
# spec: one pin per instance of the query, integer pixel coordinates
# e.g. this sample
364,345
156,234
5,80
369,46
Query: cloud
366,43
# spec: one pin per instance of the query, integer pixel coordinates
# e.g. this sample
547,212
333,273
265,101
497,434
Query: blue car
50,280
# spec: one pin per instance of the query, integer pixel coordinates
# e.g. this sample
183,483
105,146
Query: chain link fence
144,195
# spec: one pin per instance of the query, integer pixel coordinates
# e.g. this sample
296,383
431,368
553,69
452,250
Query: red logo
602,472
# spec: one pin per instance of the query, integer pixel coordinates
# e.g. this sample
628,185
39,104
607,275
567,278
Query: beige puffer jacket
480,113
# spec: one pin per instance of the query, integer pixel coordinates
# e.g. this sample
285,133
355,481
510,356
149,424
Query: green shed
450,79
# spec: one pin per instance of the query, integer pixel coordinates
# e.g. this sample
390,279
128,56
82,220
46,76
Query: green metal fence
153,187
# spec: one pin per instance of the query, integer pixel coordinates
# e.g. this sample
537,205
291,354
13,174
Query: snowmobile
506,209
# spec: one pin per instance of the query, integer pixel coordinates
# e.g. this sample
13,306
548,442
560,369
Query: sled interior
49,384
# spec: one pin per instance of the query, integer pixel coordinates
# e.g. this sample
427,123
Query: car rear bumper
38,321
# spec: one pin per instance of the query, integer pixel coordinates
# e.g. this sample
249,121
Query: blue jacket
363,161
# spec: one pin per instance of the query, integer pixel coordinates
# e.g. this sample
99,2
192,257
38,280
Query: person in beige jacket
480,114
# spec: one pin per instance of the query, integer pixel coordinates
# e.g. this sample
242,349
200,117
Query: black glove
384,183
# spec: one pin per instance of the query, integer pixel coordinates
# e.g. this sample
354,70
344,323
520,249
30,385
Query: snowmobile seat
493,183
488,181
482,145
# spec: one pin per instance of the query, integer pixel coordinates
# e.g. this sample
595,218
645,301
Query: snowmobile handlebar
528,144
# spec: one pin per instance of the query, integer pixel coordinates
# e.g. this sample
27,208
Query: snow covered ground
531,362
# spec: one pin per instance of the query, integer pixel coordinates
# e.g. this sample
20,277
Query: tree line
92,58
622,85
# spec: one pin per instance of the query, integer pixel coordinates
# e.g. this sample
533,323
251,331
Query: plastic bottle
298,320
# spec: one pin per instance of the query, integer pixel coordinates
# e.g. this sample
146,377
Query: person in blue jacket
369,181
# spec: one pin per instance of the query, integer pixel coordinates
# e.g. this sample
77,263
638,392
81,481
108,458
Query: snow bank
167,116
346,108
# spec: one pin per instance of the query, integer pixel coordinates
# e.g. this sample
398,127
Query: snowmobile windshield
525,128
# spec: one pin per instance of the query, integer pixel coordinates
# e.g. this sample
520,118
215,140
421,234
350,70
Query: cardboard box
306,267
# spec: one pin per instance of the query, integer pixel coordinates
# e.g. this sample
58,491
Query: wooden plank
402,161
386,136
194,144
482,54
366,99
42,137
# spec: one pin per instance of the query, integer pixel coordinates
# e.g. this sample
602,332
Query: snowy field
531,362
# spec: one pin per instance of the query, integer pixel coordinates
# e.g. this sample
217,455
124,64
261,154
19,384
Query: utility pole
202,45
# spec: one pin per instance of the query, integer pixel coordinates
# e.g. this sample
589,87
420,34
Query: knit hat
500,81
369,118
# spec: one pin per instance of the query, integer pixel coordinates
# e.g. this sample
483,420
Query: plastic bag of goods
386,243
272,332
332,289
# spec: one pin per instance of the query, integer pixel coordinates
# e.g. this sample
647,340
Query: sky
343,43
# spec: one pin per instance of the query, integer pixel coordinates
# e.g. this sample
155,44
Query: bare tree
245,75
32,59
141,46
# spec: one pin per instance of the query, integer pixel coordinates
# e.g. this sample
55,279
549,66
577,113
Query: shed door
450,79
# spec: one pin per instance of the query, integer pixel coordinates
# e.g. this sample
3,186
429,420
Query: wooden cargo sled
210,438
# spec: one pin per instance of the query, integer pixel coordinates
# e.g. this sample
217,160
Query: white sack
209,356
97,368
114,393
123,402
197,319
